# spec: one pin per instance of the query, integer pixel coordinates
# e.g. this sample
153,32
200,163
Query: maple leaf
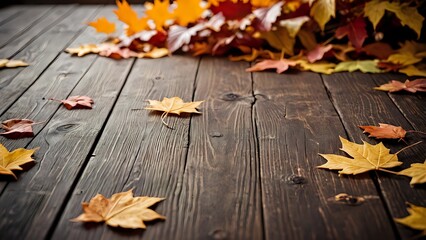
102,25
174,105
365,66
413,71
318,67
183,16
179,36
83,49
126,14
232,10
386,131
76,102
293,25
418,85
10,161
404,58
268,15
280,65
318,52
416,219
159,13
280,39
355,30
6,63
18,128
322,11
366,157
121,210
379,50
417,171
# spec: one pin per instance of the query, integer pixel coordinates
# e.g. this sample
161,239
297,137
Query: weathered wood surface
243,169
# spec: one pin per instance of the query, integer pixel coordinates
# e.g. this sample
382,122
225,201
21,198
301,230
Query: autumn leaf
268,15
293,25
404,58
158,12
83,50
341,51
17,128
179,36
386,131
248,57
174,105
102,25
76,102
318,52
366,157
379,50
280,65
416,218
322,11
417,171
280,39
126,14
232,10
418,85
121,210
183,16
307,38
365,66
155,53
355,30
6,63
318,67
413,71
10,161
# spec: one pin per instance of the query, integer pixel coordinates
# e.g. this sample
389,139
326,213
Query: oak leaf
102,25
366,157
418,85
183,16
416,220
322,11
121,210
417,171
386,131
268,15
355,30
365,66
280,65
174,105
159,13
17,128
10,161
76,102
6,63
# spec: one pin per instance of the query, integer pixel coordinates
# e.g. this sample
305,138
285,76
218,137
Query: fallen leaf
366,157
386,131
183,16
404,58
159,13
341,51
416,218
126,14
418,85
417,171
355,30
318,67
102,25
76,102
379,50
388,66
268,15
83,49
322,11
174,105
280,65
280,39
318,52
179,36
365,66
121,210
17,128
154,53
293,25
232,10
10,161
413,71
6,63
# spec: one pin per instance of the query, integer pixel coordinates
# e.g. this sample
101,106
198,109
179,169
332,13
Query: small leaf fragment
418,85
76,102
417,171
17,128
10,161
6,63
365,66
384,131
280,65
416,218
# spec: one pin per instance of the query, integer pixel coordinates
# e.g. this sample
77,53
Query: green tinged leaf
365,66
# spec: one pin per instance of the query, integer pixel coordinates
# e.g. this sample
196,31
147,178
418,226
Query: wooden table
243,169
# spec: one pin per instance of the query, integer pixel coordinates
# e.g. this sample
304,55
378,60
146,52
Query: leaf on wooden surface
268,15
6,63
404,58
322,11
159,13
366,157
17,128
293,25
417,171
102,25
83,50
10,161
121,210
174,105
183,16
155,53
386,131
280,39
379,50
76,102
318,67
418,85
365,66
280,65
318,52
126,14
413,71
416,218
355,30
388,66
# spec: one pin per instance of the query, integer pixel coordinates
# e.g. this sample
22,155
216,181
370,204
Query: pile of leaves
323,36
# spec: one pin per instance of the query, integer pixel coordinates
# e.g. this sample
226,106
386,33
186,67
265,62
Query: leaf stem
407,147
388,171
282,54
413,131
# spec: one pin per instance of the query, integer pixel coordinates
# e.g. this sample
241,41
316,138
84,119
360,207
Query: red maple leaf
355,30
232,10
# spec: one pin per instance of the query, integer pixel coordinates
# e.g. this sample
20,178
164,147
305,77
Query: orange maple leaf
385,131
280,65
159,13
102,25
183,16
126,14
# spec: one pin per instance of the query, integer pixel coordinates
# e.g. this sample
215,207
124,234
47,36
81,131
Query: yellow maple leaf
174,105
366,157
413,71
6,63
416,219
183,16
318,67
159,13
417,171
121,210
10,161
83,49
365,66
126,14
404,58
103,25
322,11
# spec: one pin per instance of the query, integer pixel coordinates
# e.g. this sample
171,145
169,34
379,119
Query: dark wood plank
7,13
295,122
53,16
37,198
358,104
21,22
137,151
40,54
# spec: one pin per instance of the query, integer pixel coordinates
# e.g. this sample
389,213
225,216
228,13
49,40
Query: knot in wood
218,234
216,134
296,179
66,127
349,199
231,97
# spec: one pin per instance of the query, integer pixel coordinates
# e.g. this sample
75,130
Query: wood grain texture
137,151
295,122
358,104
40,54
64,144
8,13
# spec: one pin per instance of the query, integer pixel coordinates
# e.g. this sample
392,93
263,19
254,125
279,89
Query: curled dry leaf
17,128
121,210
174,105
417,171
385,131
76,102
418,85
416,220
280,65
366,157
10,161
6,63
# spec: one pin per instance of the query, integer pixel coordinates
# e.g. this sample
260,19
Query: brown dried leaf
10,161
76,102
418,85
385,131
17,128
